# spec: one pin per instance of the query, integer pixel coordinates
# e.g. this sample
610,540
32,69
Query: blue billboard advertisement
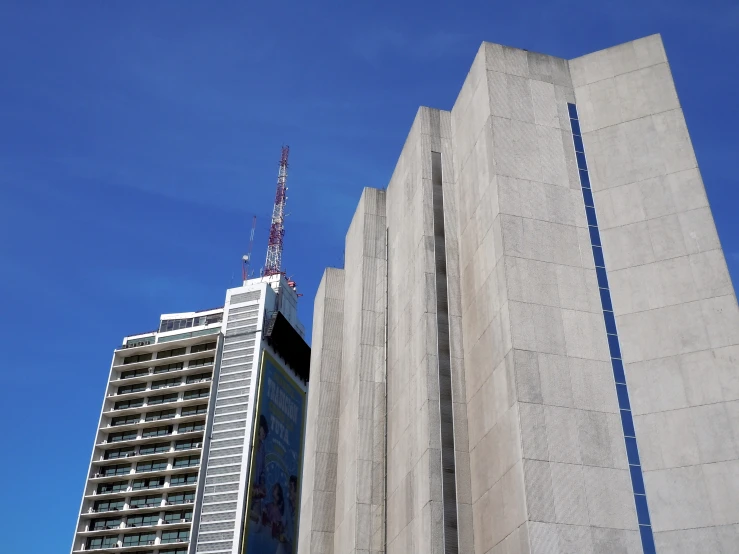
271,525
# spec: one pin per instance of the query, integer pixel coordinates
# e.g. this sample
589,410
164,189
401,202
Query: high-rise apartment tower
201,432
534,344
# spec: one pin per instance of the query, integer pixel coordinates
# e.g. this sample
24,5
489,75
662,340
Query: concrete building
172,459
533,347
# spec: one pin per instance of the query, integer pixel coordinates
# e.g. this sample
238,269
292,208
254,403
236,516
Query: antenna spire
273,265
247,258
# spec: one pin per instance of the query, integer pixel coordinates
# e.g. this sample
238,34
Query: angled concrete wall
675,306
318,496
541,400
414,458
522,421
359,523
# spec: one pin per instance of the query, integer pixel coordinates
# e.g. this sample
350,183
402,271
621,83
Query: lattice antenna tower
273,265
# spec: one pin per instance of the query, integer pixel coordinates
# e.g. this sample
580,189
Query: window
125,420
151,465
163,414
139,341
175,324
178,517
138,387
138,358
168,367
187,444
134,373
151,483
183,479
119,469
175,551
197,393
154,448
107,505
140,521
181,498
117,486
169,353
122,436
164,383
125,404
145,501
162,399
139,539
157,431
194,410
107,523
199,377
212,318
186,461
190,427
108,541
119,453
179,535
203,347
200,362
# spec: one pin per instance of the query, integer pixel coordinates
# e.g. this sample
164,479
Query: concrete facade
674,302
522,424
318,505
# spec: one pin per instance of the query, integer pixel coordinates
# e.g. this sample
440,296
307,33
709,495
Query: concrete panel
678,498
541,463
610,497
321,444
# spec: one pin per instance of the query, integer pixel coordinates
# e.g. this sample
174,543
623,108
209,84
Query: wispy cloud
379,42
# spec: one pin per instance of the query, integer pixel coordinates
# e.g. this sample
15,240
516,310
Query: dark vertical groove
387,315
446,412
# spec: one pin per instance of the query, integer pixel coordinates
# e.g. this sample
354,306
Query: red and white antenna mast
273,265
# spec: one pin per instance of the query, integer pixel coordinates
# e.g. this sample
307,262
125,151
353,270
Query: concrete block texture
318,487
541,402
675,307
540,463
415,486
359,518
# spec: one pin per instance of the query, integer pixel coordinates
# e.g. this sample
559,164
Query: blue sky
138,138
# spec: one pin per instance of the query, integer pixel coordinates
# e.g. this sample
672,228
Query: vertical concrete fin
359,522
668,297
318,489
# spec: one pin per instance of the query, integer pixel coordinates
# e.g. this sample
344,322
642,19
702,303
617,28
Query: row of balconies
165,487
133,472
127,508
118,546
148,390
124,525
151,438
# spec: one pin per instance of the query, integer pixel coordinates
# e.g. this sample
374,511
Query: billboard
273,509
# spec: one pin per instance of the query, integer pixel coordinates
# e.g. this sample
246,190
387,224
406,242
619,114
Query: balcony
174,435
184,502
120,366
147,392
166,488
98,478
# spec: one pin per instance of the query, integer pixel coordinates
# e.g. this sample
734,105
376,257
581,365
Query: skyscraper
533,346
200,436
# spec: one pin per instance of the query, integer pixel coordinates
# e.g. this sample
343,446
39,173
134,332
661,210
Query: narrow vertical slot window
611,329
446,412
